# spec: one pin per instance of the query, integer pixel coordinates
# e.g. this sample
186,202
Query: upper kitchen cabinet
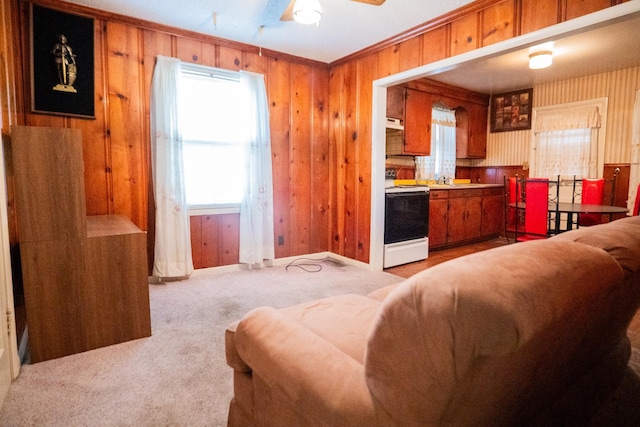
471,131
413,108
395,102
417,124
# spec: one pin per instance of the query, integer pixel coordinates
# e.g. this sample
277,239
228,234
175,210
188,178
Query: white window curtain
442,161
566,143
172,257
634,178
256,208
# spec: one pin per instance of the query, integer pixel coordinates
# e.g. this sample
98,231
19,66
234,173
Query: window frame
218,73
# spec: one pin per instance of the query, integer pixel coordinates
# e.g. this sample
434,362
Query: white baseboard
277,262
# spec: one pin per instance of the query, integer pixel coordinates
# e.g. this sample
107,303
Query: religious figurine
66,64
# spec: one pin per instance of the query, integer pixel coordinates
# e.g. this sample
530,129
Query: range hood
394,124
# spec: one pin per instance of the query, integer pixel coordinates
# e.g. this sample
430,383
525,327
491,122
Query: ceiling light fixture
307,11
541,56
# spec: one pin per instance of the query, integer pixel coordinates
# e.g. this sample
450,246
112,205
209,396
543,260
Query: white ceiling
614,46
346,27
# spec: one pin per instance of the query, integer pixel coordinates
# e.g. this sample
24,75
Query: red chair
593,194
536,198
636,206
510,201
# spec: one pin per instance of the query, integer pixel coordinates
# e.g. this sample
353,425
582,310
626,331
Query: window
214,131
568,140
442,161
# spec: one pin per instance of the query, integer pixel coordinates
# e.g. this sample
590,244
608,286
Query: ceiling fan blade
373,2
287,15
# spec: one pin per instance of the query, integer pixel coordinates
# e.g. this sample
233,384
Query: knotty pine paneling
498,23
125,143
117,148
537,14
435,45
577,8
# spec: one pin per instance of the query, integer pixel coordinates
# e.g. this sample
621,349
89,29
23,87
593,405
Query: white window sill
213,210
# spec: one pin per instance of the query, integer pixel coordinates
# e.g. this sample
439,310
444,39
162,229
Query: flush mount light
541,56
540,60
307,11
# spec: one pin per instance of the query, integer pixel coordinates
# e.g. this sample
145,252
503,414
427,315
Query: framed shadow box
62,66
511,111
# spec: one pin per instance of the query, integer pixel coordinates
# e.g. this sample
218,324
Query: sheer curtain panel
172,258
442,161
256,208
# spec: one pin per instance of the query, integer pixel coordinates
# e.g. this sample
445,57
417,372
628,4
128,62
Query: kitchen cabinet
438,217
464,215
492,211
471,131
417,124
395,102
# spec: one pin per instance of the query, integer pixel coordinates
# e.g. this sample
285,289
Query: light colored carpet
178,376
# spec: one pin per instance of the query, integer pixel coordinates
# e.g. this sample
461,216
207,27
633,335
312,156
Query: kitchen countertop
462,186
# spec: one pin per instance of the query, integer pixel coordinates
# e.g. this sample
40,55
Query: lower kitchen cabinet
438,217
464,215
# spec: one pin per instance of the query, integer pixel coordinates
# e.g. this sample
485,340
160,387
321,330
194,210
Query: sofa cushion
449,342
619,238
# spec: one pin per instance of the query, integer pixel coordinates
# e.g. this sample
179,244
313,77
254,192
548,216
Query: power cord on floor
313,267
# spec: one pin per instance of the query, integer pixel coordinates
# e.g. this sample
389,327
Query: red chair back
636,206
592,193
536,208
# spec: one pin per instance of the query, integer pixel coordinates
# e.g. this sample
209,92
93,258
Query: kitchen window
442,161
214,133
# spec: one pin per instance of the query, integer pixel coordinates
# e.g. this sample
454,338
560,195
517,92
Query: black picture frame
78,98
511,111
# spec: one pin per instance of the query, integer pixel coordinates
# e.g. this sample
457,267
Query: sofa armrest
321,383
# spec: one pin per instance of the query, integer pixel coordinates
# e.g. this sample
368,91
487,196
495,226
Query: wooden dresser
85,278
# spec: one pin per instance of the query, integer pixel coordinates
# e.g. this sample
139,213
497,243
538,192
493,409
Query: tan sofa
530,333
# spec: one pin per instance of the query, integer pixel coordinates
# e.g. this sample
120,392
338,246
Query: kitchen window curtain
566,143
442,161
172,257
256,208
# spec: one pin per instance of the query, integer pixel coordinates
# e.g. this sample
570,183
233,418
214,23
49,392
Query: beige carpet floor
178,376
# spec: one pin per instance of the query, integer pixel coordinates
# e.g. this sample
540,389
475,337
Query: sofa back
490,338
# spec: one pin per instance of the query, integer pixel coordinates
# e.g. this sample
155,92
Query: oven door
406,214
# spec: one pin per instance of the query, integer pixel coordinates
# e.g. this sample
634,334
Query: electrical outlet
280,240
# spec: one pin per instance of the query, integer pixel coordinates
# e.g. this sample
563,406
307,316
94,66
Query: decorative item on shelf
307,12
541,56
61,63
511,111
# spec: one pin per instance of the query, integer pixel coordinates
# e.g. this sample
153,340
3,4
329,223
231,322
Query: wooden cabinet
395,102
465,215
493,211
471,131
461,216
417,124
84,278
438,217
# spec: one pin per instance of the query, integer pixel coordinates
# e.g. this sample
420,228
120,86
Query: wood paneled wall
478,24
116,144
320,115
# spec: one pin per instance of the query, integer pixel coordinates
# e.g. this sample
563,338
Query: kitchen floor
438,256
